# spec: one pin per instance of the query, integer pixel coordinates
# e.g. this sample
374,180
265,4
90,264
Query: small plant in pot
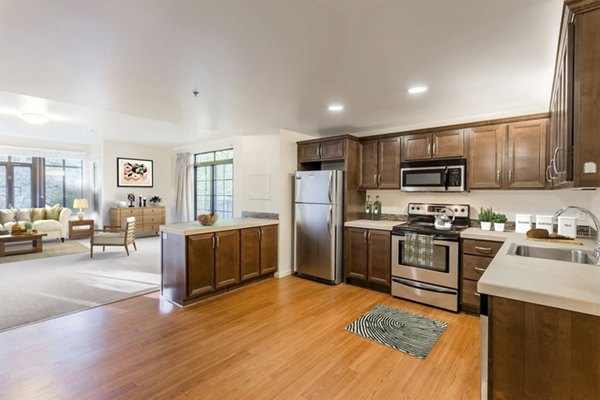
499,221
486,216
155,200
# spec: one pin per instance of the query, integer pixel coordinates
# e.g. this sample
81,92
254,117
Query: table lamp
80,203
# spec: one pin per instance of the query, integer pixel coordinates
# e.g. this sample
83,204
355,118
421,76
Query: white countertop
194,228
565,285
372,224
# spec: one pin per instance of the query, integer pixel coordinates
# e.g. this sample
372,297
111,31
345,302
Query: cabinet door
449,144
368,164
309,152
379,256
416,147
332,149
526,161
486,150
227,258
250,253
389,163
268,249
200,264
356,253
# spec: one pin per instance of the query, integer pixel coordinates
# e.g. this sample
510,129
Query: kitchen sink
569,255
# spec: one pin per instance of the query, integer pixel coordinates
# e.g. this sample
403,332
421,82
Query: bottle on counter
377,209
368,208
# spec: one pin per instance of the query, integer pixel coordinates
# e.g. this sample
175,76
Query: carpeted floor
39,289
50,249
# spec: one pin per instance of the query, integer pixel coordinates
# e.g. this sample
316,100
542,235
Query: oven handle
423,286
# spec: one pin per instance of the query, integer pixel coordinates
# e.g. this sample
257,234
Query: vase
498,227
486,226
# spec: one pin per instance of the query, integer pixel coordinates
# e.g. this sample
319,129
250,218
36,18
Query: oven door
444,271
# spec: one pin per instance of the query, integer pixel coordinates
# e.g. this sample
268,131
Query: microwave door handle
446,178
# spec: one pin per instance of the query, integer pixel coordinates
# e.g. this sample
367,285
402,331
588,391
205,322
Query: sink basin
569,255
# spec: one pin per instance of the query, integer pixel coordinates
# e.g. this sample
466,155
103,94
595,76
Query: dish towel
418,249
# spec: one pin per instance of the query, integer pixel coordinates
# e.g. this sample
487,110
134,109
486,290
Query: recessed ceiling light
417,89
34,118
336,107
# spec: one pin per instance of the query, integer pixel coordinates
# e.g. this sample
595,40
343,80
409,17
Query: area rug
410,333
39,289
49,249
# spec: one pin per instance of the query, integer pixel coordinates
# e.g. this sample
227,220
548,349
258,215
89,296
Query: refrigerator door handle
329,217
330,186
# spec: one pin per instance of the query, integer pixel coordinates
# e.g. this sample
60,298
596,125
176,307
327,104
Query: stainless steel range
425,256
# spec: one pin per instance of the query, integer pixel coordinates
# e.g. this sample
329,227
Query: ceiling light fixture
336,108
34,118
417,89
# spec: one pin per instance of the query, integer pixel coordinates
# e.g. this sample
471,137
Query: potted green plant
28,226
486,216
155,200
499,221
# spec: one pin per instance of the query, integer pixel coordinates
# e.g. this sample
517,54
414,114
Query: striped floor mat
410,333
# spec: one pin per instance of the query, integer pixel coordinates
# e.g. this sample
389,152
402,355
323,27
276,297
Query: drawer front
149,228
153,219
131,212
153,211
481,247
474,266
470,297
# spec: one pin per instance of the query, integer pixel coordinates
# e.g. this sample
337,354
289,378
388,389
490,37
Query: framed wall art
133,172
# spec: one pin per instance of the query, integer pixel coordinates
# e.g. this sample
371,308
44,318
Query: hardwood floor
281,338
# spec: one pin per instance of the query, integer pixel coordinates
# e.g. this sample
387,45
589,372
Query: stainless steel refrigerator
318,225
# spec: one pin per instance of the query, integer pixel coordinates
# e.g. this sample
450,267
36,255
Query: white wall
509,202
163,175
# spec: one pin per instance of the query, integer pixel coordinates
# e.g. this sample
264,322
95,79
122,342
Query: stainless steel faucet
593,217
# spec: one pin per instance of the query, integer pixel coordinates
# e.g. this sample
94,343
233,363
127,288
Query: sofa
52,220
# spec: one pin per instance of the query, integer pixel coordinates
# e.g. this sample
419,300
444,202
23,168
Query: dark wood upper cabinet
486,154
227,258
508,156
526,158
326,149
268,249
200,264
424,146
380,164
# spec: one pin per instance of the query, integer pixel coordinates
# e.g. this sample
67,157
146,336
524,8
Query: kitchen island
201,261
540,322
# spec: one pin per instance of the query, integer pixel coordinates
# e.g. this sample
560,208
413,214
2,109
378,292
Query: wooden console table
36,243
84,229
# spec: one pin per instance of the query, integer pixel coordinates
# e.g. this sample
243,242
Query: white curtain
184,208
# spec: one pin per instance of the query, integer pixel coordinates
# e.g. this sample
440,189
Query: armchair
114,236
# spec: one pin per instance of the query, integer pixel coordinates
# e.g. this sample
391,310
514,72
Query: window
214,183
64,181
34,181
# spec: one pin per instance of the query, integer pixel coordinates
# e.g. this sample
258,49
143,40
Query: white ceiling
127,69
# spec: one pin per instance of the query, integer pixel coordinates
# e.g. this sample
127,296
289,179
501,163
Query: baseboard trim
282,274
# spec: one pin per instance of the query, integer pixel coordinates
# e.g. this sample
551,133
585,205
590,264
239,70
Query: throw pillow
7,216
24,214
38,214
53,212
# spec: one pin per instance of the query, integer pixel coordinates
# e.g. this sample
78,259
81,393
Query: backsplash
262,215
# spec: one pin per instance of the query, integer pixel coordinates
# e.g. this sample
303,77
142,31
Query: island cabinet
368,261
380,164
258,251
425,146
541,352
196,265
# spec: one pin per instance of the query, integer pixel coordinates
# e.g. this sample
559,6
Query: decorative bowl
207,219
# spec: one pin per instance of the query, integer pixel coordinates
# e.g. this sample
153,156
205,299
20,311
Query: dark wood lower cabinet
194,267
539,352
200,265
227,258
368,257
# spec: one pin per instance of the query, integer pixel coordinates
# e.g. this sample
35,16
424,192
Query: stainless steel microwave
434,176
